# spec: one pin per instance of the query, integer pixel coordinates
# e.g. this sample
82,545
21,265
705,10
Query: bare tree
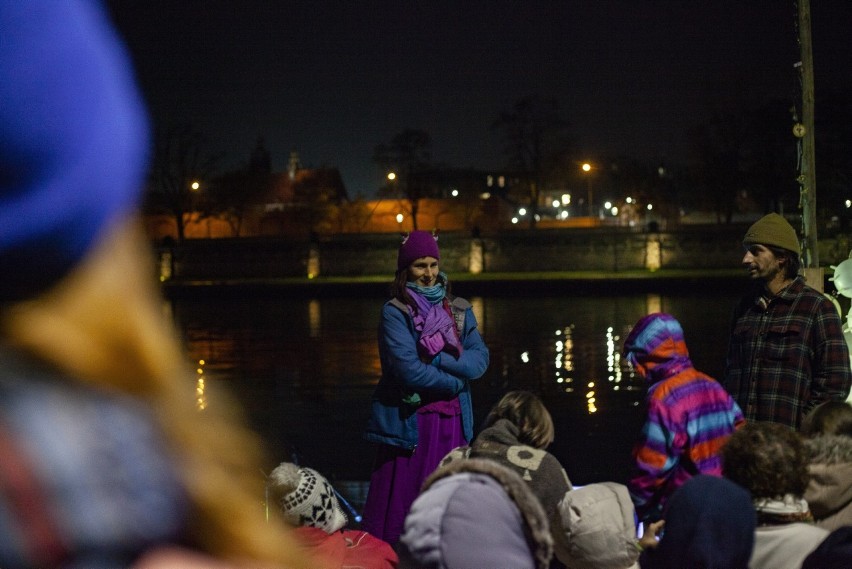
181,168
535,140
409,157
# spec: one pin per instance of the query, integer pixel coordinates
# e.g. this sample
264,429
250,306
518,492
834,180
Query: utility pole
805,130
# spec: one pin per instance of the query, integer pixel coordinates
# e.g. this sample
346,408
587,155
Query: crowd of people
105,462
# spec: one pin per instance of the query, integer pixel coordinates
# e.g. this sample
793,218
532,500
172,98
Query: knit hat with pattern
772,229
417,244
306,498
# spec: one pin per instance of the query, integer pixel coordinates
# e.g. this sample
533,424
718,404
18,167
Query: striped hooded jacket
690,415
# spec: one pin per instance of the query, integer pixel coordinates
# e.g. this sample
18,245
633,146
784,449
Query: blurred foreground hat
415,245
306,498
772,229
73,139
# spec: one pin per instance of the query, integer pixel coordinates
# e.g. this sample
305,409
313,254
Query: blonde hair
104,325
528,413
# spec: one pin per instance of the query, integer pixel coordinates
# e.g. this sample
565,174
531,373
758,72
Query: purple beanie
417,244
73,139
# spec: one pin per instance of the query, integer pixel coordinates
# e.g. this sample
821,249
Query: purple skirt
398,474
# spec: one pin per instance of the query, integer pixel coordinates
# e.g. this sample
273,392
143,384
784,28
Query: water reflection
304,369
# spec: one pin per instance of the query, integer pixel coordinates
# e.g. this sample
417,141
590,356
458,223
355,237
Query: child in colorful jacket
689,416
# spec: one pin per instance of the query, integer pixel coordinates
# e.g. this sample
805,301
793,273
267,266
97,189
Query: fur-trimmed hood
476,511
830,449
829,492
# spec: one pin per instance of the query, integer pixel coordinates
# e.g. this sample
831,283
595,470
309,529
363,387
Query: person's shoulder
460,303
394,305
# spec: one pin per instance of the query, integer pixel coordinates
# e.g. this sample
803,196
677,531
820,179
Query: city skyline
331,80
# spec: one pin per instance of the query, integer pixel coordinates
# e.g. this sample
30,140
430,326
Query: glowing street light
587,168
195,186
391,176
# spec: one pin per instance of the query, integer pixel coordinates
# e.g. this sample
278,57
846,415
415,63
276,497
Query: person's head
475,513
767,459
772,248
67,175
828,418
710,522
528,413
78,291
305,498
596,528
418,257
655,345
417,262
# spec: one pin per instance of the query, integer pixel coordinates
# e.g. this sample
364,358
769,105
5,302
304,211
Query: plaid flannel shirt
786,355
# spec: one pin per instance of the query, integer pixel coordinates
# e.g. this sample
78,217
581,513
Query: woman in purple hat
430,350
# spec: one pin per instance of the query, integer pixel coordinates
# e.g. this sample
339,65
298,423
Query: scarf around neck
786,510
435,293
436,325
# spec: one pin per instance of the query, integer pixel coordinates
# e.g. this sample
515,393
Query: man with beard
786,353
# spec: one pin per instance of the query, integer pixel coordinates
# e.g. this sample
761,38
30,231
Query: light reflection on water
304,369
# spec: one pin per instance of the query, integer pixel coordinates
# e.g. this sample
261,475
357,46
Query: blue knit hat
710,522
73,139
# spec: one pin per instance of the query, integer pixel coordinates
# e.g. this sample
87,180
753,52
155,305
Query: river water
304,368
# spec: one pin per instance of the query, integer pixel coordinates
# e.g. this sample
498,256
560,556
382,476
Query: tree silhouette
535,141
409,157
180,171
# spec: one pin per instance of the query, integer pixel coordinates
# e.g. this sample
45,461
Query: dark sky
332,79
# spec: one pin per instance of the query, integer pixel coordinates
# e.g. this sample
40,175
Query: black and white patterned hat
306,498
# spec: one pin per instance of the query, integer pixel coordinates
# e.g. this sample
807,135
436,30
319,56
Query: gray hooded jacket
475,513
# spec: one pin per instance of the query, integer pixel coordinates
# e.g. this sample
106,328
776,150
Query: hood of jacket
444,528
656,347
829,493
597,528
830,449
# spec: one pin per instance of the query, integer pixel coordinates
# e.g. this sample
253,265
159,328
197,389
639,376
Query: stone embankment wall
540,250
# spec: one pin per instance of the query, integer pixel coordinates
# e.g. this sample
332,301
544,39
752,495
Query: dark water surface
304,368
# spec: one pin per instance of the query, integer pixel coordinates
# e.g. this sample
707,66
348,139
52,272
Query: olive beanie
774,230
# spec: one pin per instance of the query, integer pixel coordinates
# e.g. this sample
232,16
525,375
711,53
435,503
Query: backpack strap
458,306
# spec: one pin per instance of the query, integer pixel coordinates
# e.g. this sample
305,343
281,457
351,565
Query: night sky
332,80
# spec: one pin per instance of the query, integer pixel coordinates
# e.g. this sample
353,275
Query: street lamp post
587,168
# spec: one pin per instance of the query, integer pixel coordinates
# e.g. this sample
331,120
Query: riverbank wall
606,251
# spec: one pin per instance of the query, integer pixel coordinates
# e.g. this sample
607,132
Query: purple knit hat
417,244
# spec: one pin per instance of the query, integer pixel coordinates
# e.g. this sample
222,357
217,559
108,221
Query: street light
587,168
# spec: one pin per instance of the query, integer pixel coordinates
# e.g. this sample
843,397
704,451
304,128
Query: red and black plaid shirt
786,355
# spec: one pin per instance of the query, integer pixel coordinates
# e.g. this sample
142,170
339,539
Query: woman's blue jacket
392,420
